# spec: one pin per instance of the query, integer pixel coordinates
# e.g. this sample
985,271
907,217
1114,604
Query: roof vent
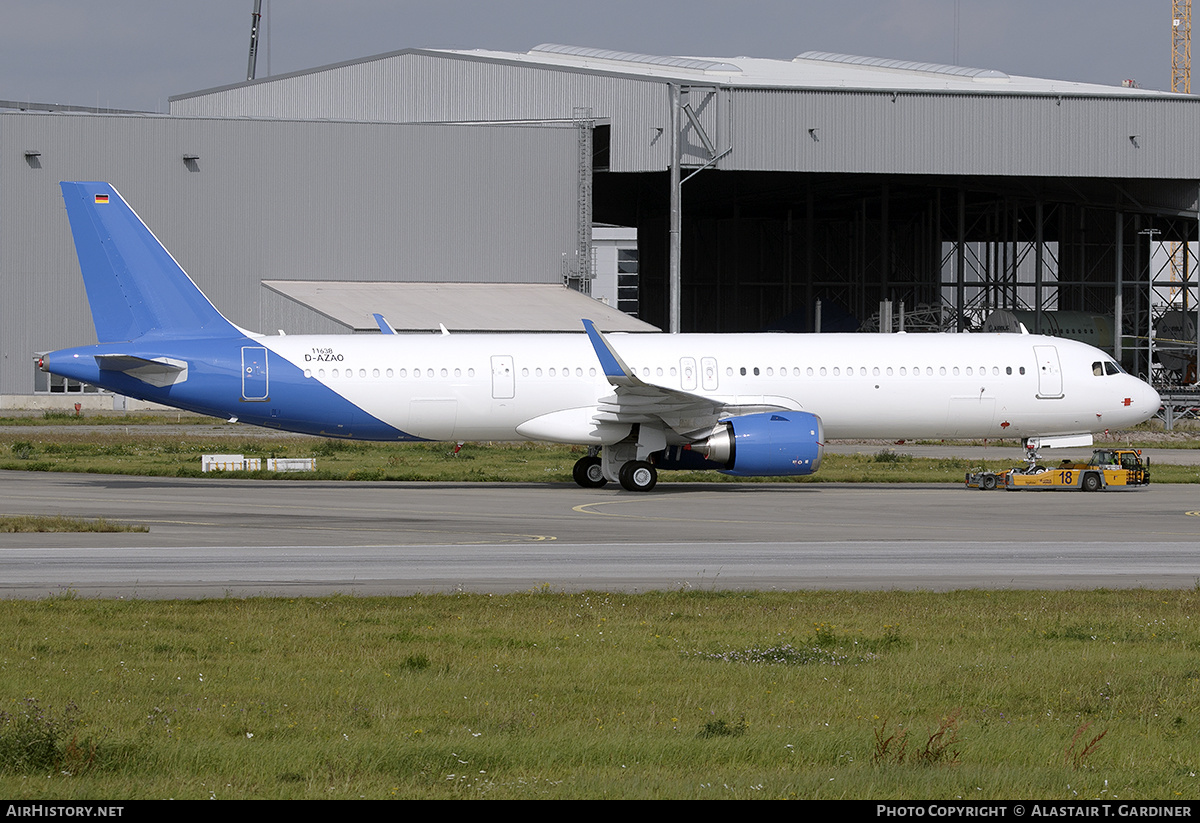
904,65
691,63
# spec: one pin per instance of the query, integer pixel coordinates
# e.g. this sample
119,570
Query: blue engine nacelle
772,444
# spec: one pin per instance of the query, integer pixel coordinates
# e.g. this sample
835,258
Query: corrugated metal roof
810,70
460,307
633,57
902,65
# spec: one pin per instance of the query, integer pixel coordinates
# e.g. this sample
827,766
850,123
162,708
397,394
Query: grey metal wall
277,200
419,86
942,133
960,134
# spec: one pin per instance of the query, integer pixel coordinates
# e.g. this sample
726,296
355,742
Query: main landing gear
638,476
633,475
588,472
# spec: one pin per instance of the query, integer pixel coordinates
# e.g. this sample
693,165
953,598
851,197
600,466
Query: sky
135,54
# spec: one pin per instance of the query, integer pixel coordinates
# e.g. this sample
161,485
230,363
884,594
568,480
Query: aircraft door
687,373
1050,383
708,373
504,385
254,373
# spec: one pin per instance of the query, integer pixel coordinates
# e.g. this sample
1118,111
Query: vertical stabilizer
134,286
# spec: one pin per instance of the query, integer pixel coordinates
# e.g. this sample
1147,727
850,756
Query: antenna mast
1181,81
255,17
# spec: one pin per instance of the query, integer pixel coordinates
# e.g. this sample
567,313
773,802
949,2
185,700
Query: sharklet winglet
610,362
384,326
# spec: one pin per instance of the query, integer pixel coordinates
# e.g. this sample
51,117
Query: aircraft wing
636,401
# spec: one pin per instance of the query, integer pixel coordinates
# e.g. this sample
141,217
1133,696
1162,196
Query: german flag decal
101,198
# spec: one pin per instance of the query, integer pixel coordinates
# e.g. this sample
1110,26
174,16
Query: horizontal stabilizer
162,371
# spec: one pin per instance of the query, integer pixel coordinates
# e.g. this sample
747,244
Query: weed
889,747
21,449
416,663
32,740
941,747
823,636
786,655
719,728
1075,758
330,447
889,456
76,757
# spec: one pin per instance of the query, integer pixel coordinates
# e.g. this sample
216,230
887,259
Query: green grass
1049,695
62,417
120,453
38,523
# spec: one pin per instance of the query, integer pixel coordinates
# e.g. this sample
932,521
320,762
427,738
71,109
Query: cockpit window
1098,369
1110,367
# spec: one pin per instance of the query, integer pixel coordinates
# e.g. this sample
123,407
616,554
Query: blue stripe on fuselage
214,386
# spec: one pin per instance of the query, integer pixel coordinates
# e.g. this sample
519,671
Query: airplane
742,404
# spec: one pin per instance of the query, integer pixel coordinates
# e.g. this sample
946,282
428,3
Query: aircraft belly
970,416
433,418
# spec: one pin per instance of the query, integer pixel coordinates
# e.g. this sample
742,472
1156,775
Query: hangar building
759,188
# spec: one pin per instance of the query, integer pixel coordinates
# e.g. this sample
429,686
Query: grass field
58,417
882,695
12,524
1071,695
146,454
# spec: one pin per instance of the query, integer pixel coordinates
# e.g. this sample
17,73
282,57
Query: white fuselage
491,386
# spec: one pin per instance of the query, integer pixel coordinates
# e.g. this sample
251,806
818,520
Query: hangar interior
761,250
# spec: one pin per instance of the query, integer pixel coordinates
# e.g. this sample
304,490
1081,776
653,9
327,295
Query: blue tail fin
134,285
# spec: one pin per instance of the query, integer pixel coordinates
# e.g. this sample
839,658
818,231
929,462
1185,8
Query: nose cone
1150,401
1141,403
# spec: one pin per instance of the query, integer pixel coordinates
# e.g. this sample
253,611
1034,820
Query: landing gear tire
638,476
587,472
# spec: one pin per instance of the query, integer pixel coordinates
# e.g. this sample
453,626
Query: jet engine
772,444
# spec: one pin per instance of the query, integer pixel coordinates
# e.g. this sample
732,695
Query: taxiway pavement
214,537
